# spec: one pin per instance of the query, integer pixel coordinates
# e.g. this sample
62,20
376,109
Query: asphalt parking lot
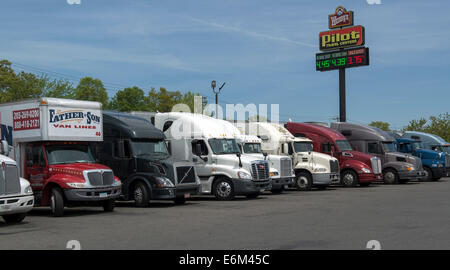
411,216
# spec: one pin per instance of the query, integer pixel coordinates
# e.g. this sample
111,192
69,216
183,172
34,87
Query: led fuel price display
342,59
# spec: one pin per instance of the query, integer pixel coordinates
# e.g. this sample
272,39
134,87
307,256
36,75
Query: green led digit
341,61
326,63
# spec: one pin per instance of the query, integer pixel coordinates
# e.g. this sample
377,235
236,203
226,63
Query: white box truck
222,169
311,168
50,139
16,195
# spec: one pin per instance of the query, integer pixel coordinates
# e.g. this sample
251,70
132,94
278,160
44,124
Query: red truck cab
355,167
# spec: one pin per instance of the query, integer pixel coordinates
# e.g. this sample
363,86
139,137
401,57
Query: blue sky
264,51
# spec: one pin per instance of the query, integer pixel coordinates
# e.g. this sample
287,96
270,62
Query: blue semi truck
432,142
433,162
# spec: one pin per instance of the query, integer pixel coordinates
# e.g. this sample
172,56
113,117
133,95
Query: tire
252,196
223,189
390,176
349,179
179,200
14,218
428,175
108,205
141,195
303,181
57,202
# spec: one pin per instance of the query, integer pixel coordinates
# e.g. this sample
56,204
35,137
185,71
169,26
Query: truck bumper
92,194
245,187
438,172
181,191
16,205
278,183
369,177
411,175
325,179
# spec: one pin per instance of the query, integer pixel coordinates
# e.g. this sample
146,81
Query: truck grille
285,167
334,166
11,183
101,178
185,174
260,170
376,165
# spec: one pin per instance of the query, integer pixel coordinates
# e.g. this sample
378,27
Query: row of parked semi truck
63,153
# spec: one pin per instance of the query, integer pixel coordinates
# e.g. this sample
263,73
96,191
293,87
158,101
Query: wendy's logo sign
340,18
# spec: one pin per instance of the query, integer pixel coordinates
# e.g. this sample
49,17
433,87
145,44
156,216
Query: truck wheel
108,205
14,218
223,189
252,196
57,202
390,176
349,179
303,181
141,195
428,174
179,200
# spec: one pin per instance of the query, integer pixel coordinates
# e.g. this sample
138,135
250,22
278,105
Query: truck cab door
201,159
36,169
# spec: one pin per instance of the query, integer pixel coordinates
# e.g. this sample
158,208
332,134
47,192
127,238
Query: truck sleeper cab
355,167
50,139
223,170
433,162
312,169
138,153
432,142
397,167
16,195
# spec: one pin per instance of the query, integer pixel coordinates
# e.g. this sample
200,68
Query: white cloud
76,2
372,2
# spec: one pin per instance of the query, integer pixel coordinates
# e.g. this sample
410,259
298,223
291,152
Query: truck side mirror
285,148
198,149
120,147
5,148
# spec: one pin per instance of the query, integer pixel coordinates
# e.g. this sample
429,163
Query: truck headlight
365,170
28,190
434,165
162,182
318,170
76,185
410,168
244,175
273,173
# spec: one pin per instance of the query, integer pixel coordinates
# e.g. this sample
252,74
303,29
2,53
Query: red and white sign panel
26,119
340,18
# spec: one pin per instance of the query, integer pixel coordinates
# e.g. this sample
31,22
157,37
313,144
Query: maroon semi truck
356,167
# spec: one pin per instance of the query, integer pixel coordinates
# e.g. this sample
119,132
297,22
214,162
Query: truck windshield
388,147
252,148
303,147
224,146
344,145
418,145
149,147
69,153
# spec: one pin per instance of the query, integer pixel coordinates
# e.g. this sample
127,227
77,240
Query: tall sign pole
344,48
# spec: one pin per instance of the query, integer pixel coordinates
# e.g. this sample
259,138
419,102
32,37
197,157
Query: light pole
213,86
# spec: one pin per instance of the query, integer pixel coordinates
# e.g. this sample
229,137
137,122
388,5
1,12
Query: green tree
92,90
129,99
164,100
381,125
438,125
57,88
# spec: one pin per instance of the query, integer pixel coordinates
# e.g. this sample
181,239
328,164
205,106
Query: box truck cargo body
397,167
355,167
50,139
223,170
138,154
16,195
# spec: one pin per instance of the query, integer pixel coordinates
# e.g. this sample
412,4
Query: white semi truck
16,195
311,168
281,170
223,170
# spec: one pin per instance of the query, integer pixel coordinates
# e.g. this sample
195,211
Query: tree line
438,125
21,85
